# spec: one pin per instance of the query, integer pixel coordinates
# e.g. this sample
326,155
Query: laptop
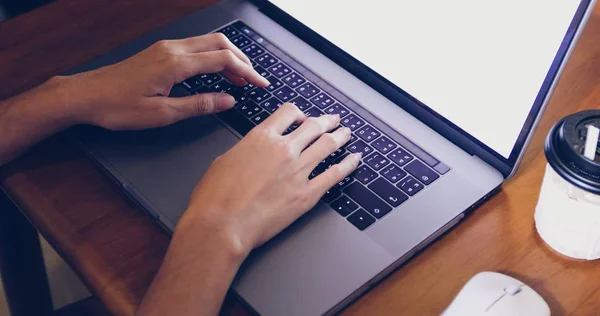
442,99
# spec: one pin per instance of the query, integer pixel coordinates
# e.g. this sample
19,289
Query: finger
323,147
198,104
336,173
312,129
285,116
238,81
212,42
220,61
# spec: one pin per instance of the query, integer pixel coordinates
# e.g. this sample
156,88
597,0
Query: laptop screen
479,64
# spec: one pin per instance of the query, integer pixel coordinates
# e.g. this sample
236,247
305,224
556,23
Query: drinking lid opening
573,149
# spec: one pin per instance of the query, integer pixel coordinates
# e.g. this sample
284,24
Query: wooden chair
23,272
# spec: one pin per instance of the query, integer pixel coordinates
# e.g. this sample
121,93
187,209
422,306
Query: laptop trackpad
162,165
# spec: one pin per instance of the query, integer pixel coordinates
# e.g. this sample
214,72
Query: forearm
32,116
196,273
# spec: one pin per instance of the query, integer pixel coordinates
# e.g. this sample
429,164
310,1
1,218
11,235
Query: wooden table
117,250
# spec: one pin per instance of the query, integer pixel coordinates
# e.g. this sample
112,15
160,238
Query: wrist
27,118
48,107
213,235
68,99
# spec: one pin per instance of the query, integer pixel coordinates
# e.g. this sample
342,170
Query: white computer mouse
491,293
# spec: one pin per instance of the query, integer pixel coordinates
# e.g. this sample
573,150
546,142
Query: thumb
201,104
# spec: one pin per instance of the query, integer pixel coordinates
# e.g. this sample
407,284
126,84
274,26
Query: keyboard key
388,193
191,84
314,112
221,86
248,87
301,103
377,161
271,104
280,70
344,206
322,100
293,127
259,95
285,94
361,219
294,80
340,158
229,31
253,50
441,168
246,30
210,79
202,89
410,186
393,173
275,83
260,117
368,133
266,60
236,120
353,122
337,108
353,138
241,41
261,71
344,183
308,90
323,165
367,199
384,144
360,146
239,94
331,195
420,171
249,108
313,173
336,154
400,156
364,174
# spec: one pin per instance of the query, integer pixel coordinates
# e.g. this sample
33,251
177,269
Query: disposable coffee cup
567,216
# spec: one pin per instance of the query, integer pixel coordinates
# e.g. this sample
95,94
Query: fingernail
357,156
224,102
267,82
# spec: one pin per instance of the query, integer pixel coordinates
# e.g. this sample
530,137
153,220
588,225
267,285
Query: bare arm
32,116
132,94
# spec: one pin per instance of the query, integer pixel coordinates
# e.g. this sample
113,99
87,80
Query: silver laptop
442,97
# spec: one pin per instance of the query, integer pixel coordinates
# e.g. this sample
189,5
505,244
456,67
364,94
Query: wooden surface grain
117,250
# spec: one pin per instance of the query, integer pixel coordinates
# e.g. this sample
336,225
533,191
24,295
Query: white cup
567,216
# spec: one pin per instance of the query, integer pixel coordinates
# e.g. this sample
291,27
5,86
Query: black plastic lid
564,150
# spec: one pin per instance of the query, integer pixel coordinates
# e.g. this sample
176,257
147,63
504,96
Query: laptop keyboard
393,169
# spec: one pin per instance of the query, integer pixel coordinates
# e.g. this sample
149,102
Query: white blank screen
480,64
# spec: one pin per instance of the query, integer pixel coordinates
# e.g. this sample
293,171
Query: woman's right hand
246,197
262,185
